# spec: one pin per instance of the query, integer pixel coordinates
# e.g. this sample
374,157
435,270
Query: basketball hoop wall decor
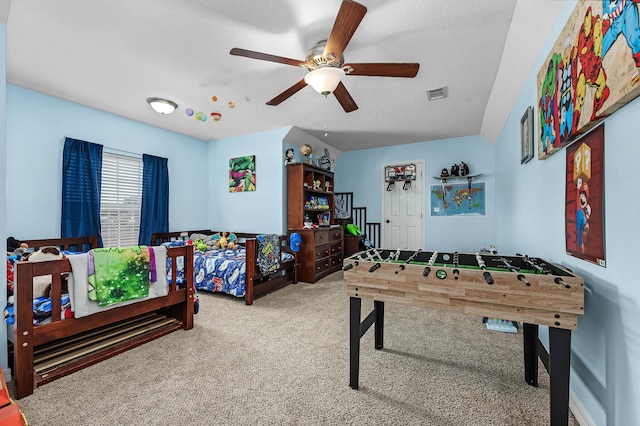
404,173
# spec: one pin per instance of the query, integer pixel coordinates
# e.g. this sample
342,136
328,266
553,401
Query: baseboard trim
7,374
579,412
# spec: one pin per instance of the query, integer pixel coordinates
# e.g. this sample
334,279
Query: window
120,200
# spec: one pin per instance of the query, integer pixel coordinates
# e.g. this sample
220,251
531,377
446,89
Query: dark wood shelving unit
322,246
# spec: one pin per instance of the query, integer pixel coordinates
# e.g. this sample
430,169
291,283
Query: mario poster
584,200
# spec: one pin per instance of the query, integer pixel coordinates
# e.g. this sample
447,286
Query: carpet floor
285,361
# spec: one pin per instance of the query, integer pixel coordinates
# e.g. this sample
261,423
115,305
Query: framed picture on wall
526,136
584,198
242,174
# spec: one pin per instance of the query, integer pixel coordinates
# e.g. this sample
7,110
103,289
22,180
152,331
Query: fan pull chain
326,115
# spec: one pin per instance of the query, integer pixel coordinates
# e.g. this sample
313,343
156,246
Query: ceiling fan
325,61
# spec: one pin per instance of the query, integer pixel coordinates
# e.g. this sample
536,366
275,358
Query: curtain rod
121,152
113,150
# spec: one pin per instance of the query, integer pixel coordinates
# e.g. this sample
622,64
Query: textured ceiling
112,55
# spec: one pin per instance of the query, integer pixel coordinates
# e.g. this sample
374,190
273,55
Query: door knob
387,221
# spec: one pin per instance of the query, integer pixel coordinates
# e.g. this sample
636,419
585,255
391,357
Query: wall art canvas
242,174
458,199
584,200
591,72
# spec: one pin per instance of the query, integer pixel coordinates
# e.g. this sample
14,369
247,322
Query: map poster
458,199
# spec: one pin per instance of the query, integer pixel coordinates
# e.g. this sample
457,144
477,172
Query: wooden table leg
530,335
559,370
357,329
355,304
379,324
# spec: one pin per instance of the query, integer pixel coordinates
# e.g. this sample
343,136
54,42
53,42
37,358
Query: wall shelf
444,179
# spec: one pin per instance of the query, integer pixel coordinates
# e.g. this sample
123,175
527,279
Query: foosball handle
349,266
524,280
456,273
559,280
374,267
426,271
488,278
400,268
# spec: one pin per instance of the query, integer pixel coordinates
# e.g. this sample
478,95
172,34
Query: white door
403,208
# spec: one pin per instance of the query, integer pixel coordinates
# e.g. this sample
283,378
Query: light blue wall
37,125
257,211
530,204
3,173
361,172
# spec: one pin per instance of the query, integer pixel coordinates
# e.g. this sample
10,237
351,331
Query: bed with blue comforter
260,264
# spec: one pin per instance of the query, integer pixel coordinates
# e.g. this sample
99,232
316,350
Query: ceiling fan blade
266,57
287,93
345,99
384,69
346,24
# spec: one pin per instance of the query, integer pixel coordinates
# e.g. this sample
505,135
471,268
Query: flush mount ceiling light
324,80
162,106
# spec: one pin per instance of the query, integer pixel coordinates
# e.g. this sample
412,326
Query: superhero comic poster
584,197
592,71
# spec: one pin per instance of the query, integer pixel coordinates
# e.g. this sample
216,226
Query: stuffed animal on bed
42,285
16,246
200,245
225,240
42,289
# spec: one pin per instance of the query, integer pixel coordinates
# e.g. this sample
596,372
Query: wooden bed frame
257,284
47,352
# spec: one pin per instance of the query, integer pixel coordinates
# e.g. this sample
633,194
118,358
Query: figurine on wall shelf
444,173
455,170
306,150
464,169
289,157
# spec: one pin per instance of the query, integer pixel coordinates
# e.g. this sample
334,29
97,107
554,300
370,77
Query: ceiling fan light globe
324,80
162,106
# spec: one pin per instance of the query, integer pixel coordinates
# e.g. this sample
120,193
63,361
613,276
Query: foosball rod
542,270
351,265
533,265
515,270
432,260
413,256
456,272
392,256
487,276
401,267
559,280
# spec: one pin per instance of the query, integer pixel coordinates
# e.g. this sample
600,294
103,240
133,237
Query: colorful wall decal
592,71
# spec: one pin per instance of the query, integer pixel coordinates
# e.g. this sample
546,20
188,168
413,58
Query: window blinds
120,200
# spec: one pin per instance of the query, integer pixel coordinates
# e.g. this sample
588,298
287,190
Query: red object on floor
10,413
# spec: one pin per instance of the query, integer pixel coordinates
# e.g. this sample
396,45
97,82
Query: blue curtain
81,183
154,216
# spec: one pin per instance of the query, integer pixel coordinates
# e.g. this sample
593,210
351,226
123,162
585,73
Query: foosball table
519,288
